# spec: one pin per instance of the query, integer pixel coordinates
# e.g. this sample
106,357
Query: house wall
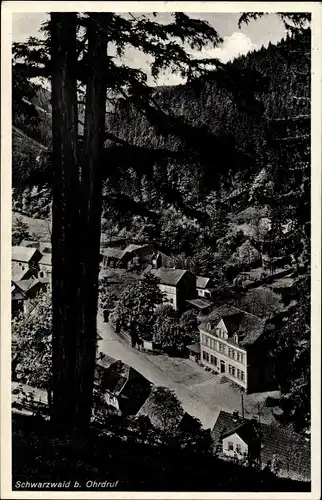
170,295
210,344
186,289
201,292
239,447
260,368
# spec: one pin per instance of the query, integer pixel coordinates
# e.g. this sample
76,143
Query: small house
124,388
24,262
177,285
269,446
204,287
22,292
45,266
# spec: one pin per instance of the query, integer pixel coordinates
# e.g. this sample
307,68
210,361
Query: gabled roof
29,243
113,253
169,276
115,374
202,282
246,431
247,326
17,273
290,449
46,259
132,247
23,254
15,288
26,285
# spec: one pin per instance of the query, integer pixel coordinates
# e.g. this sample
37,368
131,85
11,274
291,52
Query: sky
235,41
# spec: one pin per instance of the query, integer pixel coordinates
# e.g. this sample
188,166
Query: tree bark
90,214
66,254
77,200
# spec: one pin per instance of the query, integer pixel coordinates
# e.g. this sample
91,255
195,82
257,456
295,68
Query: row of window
222,348
210,358
236,373
168,300
231,447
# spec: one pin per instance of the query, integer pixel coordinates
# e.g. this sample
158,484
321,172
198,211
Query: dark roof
200,303
113,253
106,361
202,282
23,254
291,450
247,326
26,285
113,374
168,276
132,247
246,431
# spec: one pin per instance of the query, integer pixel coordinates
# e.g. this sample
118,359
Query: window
171,301
205,356
238,449
230,352
242,376
233,371
242,358
213,360
209,327
233,353
229,369
238,373
230,446
238,356
236,338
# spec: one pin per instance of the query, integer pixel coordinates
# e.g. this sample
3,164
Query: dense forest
240,172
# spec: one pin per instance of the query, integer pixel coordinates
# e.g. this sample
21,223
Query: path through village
202,394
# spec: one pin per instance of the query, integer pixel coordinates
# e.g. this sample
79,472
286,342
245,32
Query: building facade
231,344
177,285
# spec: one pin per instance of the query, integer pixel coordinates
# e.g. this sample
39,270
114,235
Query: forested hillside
242,209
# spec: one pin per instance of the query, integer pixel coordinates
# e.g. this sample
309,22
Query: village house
232,343
24,262
132,255
204,287
45,266
22,293
124,388
269,446
177,285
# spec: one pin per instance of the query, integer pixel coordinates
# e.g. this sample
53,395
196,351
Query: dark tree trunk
77,203
91,208
66,255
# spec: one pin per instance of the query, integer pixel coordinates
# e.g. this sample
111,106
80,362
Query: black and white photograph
161,250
